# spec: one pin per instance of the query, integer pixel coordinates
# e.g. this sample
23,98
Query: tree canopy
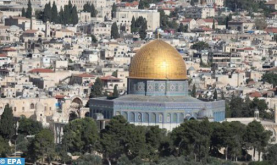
114,31
7,124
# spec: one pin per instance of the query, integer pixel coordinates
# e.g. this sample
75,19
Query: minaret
33,23
47,29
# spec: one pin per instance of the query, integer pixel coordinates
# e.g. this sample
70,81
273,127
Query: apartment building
124,17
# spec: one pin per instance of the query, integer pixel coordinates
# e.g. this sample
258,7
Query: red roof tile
106,78
271,30
3,55
255,94
59,96
41,70
8,49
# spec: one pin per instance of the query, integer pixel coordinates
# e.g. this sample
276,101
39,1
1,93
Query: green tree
23,12
47,12
114,8
88,159
215,95
133,25
74,15
93,38
113,138
4,147
213,26
193,92
114,31
257,137
7,124
42,147
227,22
270,77
29,126
141,5
236,106
54,13
260,24
96,88
163,19
270,155
115,92
200,46
183,28
80,135
115,73
61,16
154,137
29,10
192,138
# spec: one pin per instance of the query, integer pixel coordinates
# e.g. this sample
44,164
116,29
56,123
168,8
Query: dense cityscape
138,82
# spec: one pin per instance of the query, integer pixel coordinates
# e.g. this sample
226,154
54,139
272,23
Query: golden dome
158,60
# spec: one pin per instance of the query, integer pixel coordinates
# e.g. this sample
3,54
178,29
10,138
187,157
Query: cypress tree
142,31
66,15
93,12
7,127
193,92
54,13
61,16
86,7
133,25
227,22
114,31
29,10
141,6
74,15
23,12
113,10
213,24
215,95
115,91
96,89
47,12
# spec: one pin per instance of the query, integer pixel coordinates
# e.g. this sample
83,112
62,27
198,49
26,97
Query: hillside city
138,82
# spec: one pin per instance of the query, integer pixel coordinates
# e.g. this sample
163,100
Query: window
14,109
132,119
160,118
139,117
153,118
32,106
168,118
125,115
175,117
146,117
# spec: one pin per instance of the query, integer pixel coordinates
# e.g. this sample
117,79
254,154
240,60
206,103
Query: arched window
125,115
181,118
132,117
153,118
168,118
146,118
139,117
160,118
175,117
32,106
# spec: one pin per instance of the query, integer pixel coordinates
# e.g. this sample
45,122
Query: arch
72,116
175,116
132,117
139,117
87,114
153,117
168,118
146,117
32,106
125,115
181,118
161,118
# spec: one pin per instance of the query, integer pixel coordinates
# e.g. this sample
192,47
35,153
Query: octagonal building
157,92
